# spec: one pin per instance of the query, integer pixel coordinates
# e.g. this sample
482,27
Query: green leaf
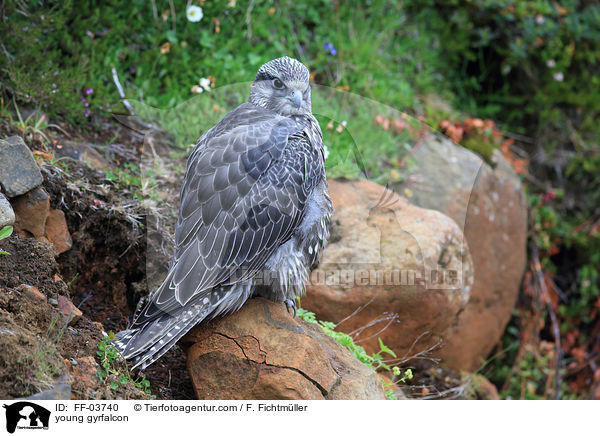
4,253
385,349
171,36
5,232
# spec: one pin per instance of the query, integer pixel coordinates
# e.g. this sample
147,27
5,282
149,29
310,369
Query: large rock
489,205
262,352
7,215
19,172
31,210
83,152
391,270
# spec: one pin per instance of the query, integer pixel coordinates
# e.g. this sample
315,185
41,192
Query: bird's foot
290,303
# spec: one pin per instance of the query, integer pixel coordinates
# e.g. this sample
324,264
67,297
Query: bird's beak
296,98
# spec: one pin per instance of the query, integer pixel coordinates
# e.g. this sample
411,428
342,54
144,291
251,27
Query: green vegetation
386,70
113,369
129,179
40,369
5,232
531,63
375,361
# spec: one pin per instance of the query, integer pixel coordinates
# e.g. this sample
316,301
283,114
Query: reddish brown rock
391,270
262,352
68,309
488,203
482,387
57,231
98,326
84,375
33,293
31,211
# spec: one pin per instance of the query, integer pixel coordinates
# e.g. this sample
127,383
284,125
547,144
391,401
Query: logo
26,415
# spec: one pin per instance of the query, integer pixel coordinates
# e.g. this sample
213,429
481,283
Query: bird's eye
278,84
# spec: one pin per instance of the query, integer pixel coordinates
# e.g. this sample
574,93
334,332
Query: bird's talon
291,304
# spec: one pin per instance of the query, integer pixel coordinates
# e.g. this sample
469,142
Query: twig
389,318
121,93
6,53
356,333
359,309
57,127
248,19
532,180
576,138
421,355
518,137
553,319
154,10
173,21
450,393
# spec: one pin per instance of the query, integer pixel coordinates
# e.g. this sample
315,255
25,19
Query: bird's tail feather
148,343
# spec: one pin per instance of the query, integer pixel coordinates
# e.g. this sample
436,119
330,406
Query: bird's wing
239,202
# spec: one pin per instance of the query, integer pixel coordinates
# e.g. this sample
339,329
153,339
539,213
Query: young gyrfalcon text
253,217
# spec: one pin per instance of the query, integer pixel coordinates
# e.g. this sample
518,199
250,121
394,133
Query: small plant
43,366
398,378
113,369
130,179
5,232
374,361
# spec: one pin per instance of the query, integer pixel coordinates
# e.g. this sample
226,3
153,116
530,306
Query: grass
139,183
41,368
381,56
357,146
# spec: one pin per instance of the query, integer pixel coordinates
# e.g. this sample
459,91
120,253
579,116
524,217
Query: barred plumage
253,217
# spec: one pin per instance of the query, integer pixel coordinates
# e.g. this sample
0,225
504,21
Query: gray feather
254,203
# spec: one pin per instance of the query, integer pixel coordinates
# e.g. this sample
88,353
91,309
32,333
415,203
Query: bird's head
282,85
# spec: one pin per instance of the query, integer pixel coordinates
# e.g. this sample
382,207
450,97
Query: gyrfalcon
253,216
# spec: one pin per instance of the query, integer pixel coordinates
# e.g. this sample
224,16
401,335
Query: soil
113,259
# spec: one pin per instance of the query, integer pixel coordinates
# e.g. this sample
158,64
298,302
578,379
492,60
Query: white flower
196,89
341,126
325,151
559,77
194,13
205,83
550,63
231,4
